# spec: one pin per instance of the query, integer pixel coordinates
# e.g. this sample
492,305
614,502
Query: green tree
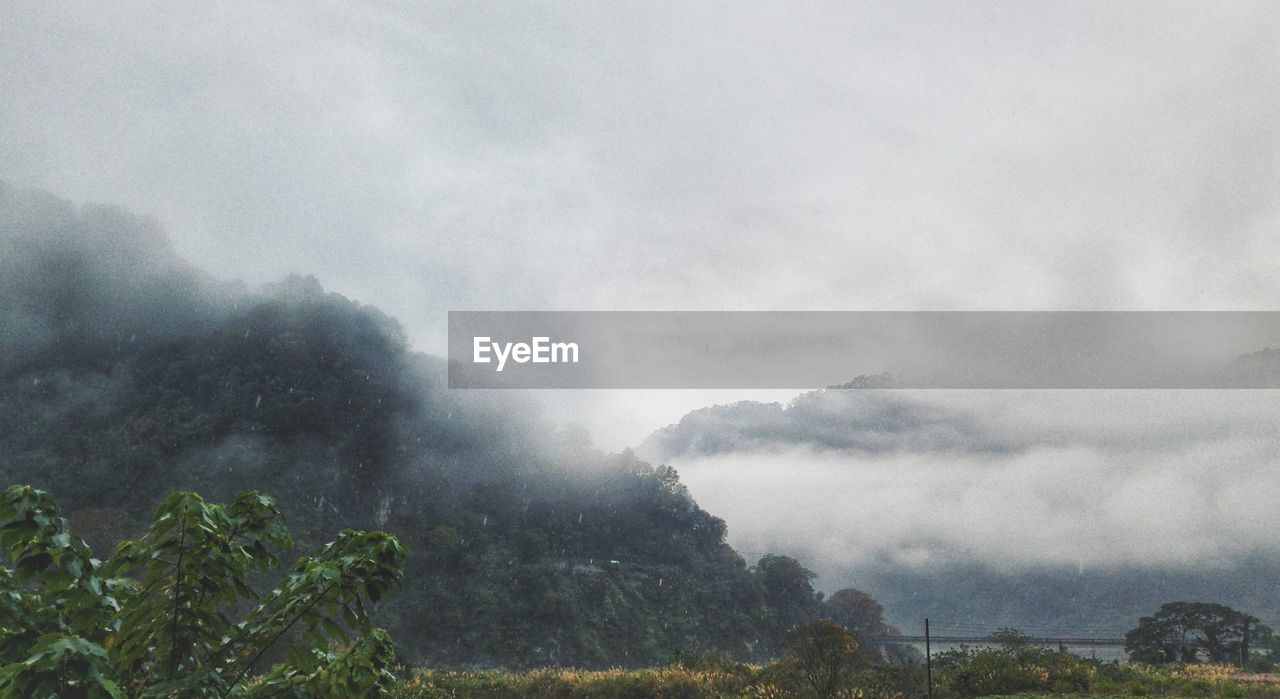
159,618
863,616
1190,631
787,587
858,611
826,656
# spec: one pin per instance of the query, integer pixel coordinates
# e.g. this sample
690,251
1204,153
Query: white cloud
1141,478
883,156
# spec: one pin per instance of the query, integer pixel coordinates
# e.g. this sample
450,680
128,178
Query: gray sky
669,156
660,156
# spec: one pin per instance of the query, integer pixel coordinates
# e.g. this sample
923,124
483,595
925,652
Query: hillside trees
787,588
859,612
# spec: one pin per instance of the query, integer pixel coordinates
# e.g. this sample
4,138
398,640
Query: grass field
744,681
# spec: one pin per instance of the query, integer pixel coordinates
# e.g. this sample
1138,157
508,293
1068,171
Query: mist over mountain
128,374
81,283
1080,509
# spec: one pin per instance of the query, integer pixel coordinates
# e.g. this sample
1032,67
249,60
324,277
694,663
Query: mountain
126,373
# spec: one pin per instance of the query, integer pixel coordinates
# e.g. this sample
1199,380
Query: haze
883,156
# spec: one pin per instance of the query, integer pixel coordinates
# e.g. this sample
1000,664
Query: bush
673,682
1259,663
1013,669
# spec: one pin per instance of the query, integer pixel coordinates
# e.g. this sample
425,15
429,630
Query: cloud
884,156
451,156
90,281
771,157
989,422
906,479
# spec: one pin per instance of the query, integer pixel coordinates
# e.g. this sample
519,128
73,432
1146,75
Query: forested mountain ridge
128,374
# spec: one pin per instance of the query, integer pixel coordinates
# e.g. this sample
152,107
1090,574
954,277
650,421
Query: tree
826,656
786,584
156,620
863,616
1185,631
858,612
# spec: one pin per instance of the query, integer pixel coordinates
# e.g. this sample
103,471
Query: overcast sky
661,156
429,157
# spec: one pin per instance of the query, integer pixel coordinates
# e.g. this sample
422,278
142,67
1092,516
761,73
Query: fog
883,156
98,312
92,279
1009,479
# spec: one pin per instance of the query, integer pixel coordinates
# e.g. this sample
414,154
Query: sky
427,157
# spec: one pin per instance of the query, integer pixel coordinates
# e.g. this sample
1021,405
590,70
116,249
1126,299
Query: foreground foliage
175,613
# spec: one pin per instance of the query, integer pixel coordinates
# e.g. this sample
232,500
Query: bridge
988,640
1058,641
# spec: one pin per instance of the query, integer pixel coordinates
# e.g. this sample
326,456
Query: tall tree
859,612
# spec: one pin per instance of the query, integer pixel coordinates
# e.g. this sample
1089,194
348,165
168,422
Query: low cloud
915,479
88,281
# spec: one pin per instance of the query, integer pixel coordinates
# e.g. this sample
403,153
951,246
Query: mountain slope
127,373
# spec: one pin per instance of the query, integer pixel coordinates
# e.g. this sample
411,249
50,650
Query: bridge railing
1088,641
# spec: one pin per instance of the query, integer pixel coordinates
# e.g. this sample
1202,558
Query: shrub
670,682
1015,668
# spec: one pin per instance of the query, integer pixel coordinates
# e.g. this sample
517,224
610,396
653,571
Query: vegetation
826,657
175,613
1192,631
129,381
1014,666
1024,672
822,660
140,377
